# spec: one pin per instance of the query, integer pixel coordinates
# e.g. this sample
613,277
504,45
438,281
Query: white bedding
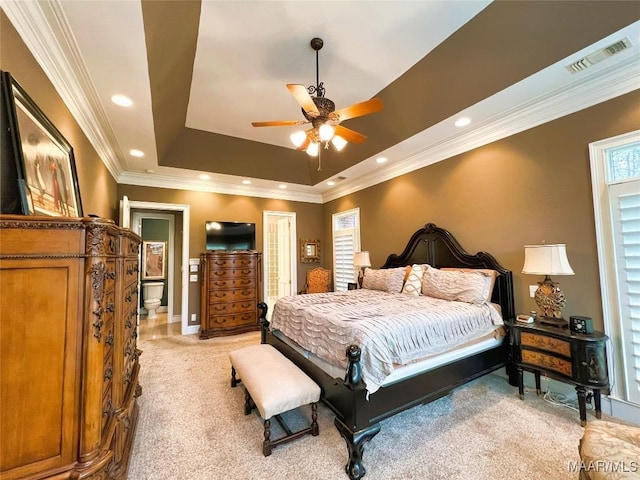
391,329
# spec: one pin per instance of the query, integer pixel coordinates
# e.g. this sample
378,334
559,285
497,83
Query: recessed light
331,183
149,170
136,153
204,176
122,100
381,159
246,182
282,186
462,122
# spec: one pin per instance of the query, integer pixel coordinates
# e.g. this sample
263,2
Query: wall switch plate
194,317
532,290
193,268
193,278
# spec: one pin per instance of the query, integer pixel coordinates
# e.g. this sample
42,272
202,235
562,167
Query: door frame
265,249
186,329
140,215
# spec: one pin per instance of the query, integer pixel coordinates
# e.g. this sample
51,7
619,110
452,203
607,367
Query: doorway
279,256
180,262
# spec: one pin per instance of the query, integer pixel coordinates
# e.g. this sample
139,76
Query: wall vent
595,57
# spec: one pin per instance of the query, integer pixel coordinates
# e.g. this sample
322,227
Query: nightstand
569,357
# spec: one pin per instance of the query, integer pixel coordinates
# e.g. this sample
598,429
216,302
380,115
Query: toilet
152,294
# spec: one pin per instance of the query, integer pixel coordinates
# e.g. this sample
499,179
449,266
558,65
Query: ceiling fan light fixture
326,132
313,149
338,142
298,138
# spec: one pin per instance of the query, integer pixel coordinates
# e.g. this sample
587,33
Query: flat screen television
230,235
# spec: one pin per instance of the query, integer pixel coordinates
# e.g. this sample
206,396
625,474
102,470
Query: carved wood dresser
231,291
68,351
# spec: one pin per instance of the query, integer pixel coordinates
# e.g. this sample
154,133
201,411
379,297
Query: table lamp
548,260
362,261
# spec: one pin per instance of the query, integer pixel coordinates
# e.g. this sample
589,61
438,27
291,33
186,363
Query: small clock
581,325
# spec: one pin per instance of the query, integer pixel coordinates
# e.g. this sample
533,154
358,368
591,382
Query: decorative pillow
485,271
472,287
386,280
413,283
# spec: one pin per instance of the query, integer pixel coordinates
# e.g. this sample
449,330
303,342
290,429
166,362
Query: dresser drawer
224,283
548,362
231,295
235,307
222,263
549,344
239,319
230,273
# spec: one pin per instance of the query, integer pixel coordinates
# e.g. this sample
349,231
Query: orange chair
318,281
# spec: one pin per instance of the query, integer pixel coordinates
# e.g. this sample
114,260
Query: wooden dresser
68,350
231,291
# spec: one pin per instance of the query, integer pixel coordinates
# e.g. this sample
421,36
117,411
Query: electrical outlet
194,317
532,290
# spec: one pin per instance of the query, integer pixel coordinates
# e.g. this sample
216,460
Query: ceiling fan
321,113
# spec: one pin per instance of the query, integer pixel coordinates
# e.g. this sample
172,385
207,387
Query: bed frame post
355,438
264,323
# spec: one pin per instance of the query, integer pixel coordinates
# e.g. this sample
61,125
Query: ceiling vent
595,57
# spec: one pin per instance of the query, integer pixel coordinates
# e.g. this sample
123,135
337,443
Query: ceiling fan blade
304,99
349,135
278,123
358,109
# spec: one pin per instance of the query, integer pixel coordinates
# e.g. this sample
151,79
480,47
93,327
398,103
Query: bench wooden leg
248,402
266,445
314,420
234,380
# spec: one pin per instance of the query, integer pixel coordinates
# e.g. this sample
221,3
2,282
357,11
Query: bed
360,407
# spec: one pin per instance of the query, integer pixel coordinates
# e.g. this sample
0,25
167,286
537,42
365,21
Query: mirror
309,251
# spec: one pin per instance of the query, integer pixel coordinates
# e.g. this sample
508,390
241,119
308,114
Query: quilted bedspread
392,329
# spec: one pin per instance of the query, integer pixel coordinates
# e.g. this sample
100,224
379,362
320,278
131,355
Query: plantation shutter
346,241
626,226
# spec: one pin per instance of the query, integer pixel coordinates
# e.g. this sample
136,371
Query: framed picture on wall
153,260
46,170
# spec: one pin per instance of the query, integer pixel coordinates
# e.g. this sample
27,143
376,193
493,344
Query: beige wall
97,186
529,188
205,206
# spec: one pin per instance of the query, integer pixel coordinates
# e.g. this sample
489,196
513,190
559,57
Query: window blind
627,224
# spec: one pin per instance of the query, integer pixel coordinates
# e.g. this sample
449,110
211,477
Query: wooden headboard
438,248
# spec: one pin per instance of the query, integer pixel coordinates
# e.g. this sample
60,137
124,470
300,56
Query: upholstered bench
274,385
610,450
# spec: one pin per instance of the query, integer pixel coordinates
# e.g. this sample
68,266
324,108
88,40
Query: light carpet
192,426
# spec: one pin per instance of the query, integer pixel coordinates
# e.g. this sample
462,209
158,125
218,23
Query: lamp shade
546,260
361,259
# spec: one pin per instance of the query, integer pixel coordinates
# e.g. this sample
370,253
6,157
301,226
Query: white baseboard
176,319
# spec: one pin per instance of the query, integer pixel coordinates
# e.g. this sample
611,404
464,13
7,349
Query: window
615,172
346,241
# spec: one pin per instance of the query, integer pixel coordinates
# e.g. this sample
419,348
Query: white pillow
470,287
386,279
413,283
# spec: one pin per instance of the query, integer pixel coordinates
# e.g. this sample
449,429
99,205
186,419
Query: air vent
595,57
339,179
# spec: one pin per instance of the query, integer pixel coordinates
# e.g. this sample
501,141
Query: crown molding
46,32
599,87
177,183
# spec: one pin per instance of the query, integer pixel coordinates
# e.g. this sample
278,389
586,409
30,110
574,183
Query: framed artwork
153,260
45,165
